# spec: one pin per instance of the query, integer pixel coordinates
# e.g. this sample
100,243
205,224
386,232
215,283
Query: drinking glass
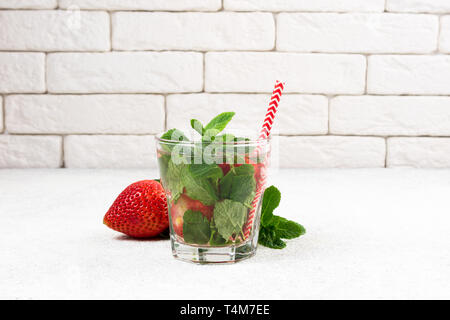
214,190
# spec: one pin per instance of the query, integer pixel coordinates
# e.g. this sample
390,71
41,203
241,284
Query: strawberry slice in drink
184,204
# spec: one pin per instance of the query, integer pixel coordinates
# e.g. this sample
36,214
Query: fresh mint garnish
196,228
220,122
271,201
287,229
197,126
274,228
173,135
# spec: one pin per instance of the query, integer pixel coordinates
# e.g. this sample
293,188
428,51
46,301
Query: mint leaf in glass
243,189
204,170
239,184
173,135
173,179
196,228
199,189
229,217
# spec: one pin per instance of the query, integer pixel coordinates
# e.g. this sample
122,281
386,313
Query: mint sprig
214,127
274,228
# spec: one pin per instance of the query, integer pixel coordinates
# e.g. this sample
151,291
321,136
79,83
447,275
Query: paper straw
265,133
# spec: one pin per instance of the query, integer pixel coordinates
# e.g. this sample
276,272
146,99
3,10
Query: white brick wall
52,31
305,73
390,116
418,152
305,5
360,33
157,5
193,31
30,151
28,4
414,75
109,151
1,115
436,6
445,34
124,72
69,114
88,83
332,152
22,72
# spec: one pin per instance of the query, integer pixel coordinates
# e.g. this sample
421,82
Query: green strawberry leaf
229,217
196,228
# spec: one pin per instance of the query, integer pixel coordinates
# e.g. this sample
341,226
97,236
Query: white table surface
371,233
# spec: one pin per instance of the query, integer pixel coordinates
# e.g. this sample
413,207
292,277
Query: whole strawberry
140,211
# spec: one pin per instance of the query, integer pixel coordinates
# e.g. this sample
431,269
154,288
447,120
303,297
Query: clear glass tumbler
214,190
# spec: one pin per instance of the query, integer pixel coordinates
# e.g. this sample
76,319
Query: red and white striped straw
265,133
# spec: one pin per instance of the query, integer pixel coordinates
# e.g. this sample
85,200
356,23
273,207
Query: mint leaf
229,217
271,200
220,122
287,229
210,135
195,228
243,189
199,189
239,184
173,135
245,169
216,239
204,170
174,181
274,228
227,137
225,185
197,126
268,238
